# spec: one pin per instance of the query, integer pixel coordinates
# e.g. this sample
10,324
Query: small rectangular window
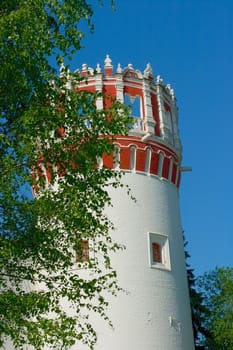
158,248
157,252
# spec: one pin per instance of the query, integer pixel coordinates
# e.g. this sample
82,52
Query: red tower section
153,145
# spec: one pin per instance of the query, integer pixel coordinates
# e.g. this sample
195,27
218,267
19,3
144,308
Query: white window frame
163,241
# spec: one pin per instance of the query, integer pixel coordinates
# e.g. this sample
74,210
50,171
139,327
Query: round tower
153,312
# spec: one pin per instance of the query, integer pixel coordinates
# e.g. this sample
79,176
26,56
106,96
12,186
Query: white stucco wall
154,312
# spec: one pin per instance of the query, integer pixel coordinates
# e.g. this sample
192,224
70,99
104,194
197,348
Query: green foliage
198,310
45,134
216,288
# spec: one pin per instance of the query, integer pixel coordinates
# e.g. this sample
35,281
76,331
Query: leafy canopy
49,141
216,288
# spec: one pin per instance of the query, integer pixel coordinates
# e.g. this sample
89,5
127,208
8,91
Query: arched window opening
134,103
169,123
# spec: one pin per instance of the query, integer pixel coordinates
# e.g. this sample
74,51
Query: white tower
154,312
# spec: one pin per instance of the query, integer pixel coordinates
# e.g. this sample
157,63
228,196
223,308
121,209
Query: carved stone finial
130,66
107,61
172,94
98,69
84,66
62,68
119,69
159,80
168,86
148,71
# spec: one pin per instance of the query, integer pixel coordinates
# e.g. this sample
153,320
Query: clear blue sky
190,44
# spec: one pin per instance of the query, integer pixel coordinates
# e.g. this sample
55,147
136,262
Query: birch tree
52,193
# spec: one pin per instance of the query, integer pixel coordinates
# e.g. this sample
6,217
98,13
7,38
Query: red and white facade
153,145
154,311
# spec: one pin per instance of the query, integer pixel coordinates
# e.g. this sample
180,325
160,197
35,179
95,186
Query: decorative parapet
153,103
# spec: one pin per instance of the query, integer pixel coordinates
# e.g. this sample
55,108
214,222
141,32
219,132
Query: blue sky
190,44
